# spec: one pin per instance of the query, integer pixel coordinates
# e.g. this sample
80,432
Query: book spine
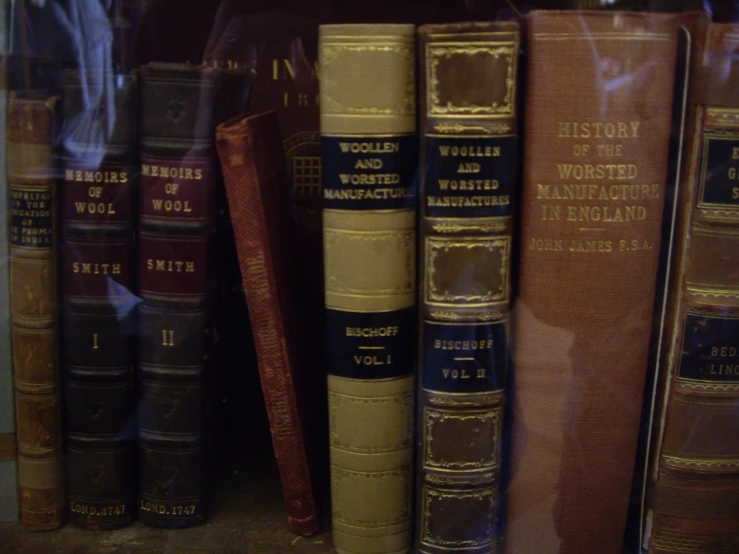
368,147
468,160
286,81
594,180
8,450
694,495
99,157
252,158
32,214
177,183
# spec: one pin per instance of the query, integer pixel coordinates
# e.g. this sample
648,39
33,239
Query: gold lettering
370,163
469,167
168,337
369,147
172,172
723,352
444,344
368,332
168,205
554,245
598,129
170,266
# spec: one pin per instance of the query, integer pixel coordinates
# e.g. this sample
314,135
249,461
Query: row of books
128,169
618,240
617,214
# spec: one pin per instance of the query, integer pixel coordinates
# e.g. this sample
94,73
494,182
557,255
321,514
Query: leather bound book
99,162
176,200
8,450
369,145
468,162
598,116
257,186
694,497
32,216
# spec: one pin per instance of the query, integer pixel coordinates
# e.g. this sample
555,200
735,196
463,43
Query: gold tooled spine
368,93
469,155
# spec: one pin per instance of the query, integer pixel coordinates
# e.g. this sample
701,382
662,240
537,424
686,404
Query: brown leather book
99,157
598,117
694,489
32,215
254,171
468,161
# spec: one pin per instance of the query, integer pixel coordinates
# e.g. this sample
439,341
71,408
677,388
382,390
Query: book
695,458
99,149
8,450
597,133
468,163
257,186
33,185
279,47
178,180
369,157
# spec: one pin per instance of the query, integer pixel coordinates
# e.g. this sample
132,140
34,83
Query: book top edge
469,27
605,14
240,122
368,30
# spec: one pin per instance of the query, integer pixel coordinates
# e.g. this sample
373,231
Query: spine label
176,189
710,350
370,345
465,358
94,269
369,173
459,180
31,217
102,194
720,172
173,265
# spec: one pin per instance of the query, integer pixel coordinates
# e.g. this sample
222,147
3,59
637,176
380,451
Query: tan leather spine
367,97
695,475
32,181
469,117
596,140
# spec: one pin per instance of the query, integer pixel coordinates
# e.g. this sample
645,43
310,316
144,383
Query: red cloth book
257,186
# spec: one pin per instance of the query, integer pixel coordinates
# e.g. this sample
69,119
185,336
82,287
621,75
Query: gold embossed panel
371,499
369,263
368,79
714,248
388,98
34,359
452,64
455,521
370,425
32,287
481,432
467,272
38,420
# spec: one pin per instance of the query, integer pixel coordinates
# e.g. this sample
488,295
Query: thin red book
257,187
